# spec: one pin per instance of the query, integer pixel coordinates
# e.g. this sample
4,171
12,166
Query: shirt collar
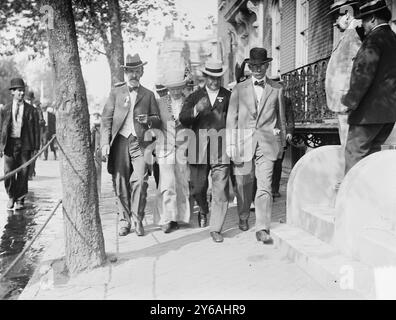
380,25
255,79
211,91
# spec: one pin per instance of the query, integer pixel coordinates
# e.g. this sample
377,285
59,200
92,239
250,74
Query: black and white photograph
196,156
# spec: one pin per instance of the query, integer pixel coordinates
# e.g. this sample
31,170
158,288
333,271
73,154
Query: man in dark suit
19,139
206,109
130,111
257,125
371,99
48,130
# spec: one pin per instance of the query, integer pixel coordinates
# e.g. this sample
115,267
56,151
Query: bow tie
133,89
260,83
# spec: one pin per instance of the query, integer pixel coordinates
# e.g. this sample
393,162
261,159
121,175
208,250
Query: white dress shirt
258,89
212,95
176,107
16,126
128,127
45,117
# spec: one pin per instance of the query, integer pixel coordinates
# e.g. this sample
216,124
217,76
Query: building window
302,26
276,37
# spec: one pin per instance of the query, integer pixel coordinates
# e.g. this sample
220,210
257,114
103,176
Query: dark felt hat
17,83
372,7
132,62
258,56
29,95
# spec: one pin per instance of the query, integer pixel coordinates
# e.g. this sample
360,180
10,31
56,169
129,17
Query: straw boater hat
17,83
175,80
258,56
214,68
371,7
132,62
337,6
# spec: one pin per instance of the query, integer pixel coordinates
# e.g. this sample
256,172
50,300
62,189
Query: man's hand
276,132
1,154
105,152
232,151
202,104
289,137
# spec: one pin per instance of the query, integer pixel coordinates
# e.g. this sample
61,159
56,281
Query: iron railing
305,87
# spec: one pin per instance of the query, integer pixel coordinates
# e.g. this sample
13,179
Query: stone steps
324,262
318,221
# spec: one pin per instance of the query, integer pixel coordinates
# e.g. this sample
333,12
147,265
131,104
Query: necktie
260,83
133,89
17,112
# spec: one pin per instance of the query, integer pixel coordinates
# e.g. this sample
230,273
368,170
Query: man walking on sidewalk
257,128
130,111
371,99
19,138
48,130
205,110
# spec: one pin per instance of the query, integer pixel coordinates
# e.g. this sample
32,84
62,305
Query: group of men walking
211,131
23,127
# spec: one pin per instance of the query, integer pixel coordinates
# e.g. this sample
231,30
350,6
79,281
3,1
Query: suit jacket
116,110
215,118
372,93
30,132
51,125
339,68
256,123
169,129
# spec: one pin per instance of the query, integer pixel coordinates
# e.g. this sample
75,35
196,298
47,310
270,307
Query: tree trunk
83,230
115,54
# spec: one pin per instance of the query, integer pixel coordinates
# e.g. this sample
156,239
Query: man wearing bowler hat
130,111
371,99
19,138
256,137
339,68
205,111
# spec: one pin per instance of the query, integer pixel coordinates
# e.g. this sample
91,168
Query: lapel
250,94
24,111
140,94
264,97
219,99
8,114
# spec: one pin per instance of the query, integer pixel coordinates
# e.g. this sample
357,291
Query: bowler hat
132,62
258,56
343,4
214,68
17,83
371,7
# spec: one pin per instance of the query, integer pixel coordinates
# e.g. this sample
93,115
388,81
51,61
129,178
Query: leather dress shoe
216,236
243,225
174,225
10,204
139,228
167,227
19,205
123,231
202,220
264,236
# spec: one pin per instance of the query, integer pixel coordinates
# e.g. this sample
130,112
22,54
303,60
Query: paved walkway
185,264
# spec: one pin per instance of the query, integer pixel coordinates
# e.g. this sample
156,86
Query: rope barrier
26,164
30,243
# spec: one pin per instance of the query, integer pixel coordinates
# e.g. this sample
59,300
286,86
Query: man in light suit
255,140
371,99
130,111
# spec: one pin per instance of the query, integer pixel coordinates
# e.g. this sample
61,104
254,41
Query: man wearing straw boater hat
130,111
174,205
257,126
339,68
205,111
19,139
371,99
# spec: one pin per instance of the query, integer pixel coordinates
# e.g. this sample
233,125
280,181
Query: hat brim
17,87
361,15
254,62
339,7
215,74
172,85
134,67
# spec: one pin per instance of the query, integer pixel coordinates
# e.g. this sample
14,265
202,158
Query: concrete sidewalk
185,264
